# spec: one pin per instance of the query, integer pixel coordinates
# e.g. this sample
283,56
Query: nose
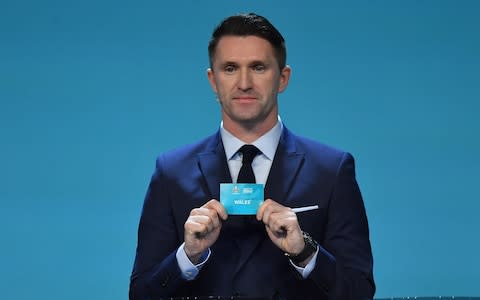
244,80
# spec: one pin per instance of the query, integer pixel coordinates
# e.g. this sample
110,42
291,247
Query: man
187,243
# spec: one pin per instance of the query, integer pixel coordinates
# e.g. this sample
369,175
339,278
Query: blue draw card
241,198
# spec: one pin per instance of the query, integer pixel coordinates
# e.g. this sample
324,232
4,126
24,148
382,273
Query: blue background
92,91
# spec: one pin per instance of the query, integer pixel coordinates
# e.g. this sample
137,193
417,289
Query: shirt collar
267,143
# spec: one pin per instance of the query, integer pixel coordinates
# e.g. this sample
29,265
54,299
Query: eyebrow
252,63
228,63
259,62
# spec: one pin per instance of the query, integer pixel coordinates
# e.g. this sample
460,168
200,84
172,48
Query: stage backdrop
92,91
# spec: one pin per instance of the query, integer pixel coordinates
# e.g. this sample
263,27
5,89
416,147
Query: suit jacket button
165,281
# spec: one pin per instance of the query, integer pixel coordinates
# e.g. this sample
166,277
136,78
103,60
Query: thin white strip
305,208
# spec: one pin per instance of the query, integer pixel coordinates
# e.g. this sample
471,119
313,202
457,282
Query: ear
284,78
211,79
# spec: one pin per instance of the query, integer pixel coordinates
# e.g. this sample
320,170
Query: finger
272,207
283,223
214,218
218,207
266,216
201,219
204,220
273,223
193,227
262,208
208,212
201,211
211,213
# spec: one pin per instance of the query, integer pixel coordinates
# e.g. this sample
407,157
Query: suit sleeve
156,272
343,268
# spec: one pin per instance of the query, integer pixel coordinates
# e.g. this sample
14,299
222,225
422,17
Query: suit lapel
214,167
284,170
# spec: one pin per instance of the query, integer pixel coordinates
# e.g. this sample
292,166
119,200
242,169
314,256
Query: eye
259,68
229,69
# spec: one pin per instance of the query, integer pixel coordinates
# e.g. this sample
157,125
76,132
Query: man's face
246,78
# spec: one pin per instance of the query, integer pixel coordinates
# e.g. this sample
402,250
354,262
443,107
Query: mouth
245,98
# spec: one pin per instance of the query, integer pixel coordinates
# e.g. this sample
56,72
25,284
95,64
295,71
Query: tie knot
249,152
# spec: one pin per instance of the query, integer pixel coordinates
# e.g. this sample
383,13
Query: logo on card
247,190
235,190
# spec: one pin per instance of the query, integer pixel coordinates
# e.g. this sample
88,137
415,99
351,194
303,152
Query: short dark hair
249,24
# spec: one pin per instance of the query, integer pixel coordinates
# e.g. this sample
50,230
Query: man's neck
249,132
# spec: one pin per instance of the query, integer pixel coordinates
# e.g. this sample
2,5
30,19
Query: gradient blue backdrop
91,91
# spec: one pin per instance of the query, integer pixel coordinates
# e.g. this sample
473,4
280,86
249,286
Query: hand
202,228
282,226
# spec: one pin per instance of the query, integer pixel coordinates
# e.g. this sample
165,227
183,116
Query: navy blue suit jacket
243,260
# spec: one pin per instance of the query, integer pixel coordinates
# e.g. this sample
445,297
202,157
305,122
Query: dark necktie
245,225
246,174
